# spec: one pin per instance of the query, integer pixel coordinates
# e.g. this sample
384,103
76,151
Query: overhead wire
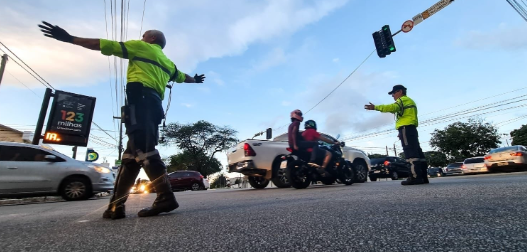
47,83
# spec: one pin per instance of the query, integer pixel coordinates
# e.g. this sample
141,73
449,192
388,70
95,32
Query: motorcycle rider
311,134
296,142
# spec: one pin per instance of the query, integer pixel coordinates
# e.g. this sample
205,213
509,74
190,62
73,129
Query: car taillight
517,154
386,163
201,176
463,167
248,150
289,149
487,157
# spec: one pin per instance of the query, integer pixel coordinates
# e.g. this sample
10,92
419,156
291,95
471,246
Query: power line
23,84
14,60
141,31
104,131
335,87
516,6
27,66
342,82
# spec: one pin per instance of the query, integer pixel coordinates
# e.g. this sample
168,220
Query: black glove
55,32
199,78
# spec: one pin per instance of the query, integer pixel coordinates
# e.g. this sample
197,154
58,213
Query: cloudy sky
265,58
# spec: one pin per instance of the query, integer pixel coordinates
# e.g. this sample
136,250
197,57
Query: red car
187,180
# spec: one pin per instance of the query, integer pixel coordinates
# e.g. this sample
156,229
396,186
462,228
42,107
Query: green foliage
519,136
199,142
463,140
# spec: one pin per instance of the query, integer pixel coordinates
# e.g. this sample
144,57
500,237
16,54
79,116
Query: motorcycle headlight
142,187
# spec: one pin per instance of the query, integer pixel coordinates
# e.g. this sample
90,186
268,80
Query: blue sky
265,58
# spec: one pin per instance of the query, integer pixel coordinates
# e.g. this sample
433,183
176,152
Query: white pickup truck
261,161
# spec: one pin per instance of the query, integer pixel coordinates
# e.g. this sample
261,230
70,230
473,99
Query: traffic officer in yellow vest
149,71
406,123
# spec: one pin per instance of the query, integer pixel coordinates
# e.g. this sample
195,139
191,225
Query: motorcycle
300,174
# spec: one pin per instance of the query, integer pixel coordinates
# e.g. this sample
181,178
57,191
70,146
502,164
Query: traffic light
389,40
384,42
378,39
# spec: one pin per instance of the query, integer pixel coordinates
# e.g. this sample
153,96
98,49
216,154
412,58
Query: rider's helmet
297,114
310,124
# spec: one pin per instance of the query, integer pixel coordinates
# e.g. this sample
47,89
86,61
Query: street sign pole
42,116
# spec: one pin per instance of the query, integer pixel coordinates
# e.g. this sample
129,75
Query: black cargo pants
142,116
412,150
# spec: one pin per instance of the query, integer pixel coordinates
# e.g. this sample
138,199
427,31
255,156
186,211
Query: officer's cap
396,88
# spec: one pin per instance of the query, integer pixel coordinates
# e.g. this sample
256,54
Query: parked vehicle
435,172
454,169
474,165
187,180
261,161
31,170
389,167
511,157
300,175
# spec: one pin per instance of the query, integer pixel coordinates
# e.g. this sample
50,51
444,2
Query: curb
43,199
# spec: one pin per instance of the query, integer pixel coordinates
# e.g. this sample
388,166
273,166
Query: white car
261,161
474,165
31,170
507,157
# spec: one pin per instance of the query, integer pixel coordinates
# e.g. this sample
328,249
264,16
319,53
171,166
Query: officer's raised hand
55,32
369,107
199,78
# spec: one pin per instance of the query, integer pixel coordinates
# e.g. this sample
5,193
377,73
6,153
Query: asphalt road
465,213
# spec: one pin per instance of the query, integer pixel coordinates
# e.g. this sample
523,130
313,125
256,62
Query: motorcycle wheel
346,174
297,174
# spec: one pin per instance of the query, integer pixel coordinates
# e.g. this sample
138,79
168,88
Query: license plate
502,164
283,165
376,171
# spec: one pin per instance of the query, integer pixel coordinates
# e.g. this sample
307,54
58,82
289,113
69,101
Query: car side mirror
50,158
342,144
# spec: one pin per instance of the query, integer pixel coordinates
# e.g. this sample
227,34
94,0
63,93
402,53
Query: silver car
474,165
509,157
454,169
30,170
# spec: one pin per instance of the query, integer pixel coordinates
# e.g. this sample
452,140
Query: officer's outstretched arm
390,108
54,31
196,79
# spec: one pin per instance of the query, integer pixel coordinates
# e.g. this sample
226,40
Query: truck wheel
279,174
361,171
258,182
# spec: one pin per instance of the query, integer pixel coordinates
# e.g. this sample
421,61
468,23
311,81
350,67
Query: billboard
69,120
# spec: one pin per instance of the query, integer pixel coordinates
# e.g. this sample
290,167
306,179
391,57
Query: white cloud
336,60
188,105
193,37
274,58
504,37
343,111
286,103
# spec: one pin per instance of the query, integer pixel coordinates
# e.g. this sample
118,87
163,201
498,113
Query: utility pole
387,150
120,136
2,66
394,151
